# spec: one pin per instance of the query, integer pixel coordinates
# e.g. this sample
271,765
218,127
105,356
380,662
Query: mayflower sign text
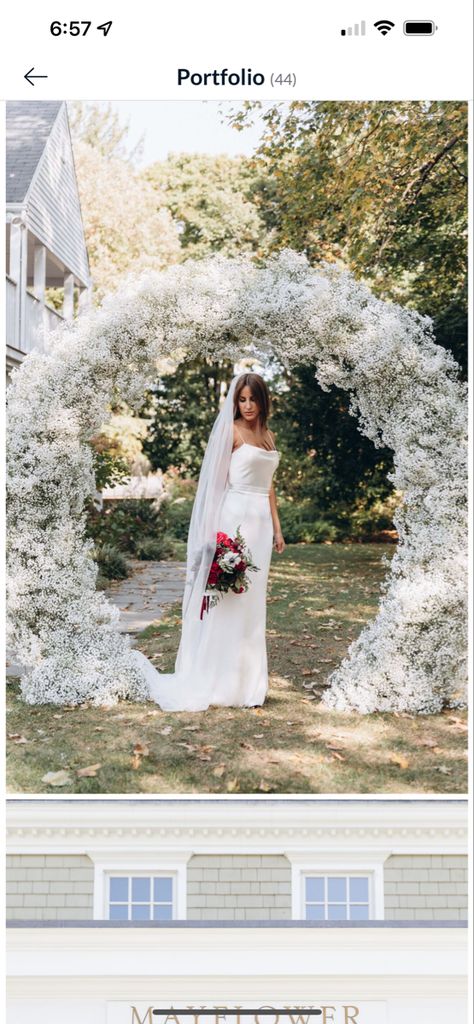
319,1013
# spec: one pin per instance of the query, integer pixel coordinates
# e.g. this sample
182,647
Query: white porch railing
38,318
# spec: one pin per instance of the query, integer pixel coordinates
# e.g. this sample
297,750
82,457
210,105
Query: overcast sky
184,127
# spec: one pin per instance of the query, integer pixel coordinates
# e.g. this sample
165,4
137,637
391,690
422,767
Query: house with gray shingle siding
116,907
45,244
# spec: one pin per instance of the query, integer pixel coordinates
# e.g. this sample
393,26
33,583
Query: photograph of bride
222,659
236,360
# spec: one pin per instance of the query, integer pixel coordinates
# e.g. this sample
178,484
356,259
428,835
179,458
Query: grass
320,596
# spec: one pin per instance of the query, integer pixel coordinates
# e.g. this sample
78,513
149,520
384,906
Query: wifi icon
384,26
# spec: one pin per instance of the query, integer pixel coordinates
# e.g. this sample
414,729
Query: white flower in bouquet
230,560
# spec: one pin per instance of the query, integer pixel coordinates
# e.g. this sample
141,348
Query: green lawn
320,597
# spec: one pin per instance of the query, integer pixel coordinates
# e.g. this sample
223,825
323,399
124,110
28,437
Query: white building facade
120,910
45,244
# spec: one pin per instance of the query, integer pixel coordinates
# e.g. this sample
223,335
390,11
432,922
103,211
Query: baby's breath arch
403,389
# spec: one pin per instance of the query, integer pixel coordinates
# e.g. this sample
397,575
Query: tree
328,466
185,404
126,228
100,127
209,199
380,186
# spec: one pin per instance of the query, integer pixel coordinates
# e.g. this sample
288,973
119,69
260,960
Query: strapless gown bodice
251,469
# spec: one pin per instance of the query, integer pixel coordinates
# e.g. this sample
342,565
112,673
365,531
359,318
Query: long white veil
204,526
185,689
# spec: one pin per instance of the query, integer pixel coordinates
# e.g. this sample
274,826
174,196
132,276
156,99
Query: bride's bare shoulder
238,439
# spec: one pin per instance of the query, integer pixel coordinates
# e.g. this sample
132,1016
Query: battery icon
419,28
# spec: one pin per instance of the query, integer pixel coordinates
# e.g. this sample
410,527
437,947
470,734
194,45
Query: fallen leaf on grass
261,735
233,786
219,770
245,745
56,778
443,769
429,743
89,772
337,757
204,753
264,787
141,749
192,728
399,760
166,731
16,737
57,716
459,723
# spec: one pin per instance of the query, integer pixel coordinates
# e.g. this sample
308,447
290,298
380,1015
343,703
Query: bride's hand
279,543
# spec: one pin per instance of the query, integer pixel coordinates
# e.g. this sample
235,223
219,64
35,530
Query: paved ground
143,596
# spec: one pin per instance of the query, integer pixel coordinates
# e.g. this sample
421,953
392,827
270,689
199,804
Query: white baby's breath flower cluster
403,388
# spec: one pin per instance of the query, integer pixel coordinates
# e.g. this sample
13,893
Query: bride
222,657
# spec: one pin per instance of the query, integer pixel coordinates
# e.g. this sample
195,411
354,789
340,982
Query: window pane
359,913
140,912
163,890
337,890
119,890
336,912
118,912
163,913
314,912
359,890
315,890
140,890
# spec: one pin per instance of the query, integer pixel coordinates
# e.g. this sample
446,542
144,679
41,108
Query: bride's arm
277,534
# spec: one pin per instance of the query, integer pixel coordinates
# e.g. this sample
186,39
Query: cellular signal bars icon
356,30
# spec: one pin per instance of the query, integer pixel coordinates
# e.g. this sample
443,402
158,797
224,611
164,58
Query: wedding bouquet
231,563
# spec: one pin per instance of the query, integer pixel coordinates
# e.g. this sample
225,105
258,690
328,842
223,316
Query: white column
68,304
85,299
18,272
39,288
39,272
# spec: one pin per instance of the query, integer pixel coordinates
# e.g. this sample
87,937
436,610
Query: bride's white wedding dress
229,665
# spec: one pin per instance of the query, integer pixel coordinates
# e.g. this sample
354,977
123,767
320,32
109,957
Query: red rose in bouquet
230,565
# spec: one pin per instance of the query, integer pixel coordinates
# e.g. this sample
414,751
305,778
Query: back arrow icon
29,76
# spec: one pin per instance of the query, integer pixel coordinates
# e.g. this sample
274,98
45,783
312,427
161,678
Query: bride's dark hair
259,392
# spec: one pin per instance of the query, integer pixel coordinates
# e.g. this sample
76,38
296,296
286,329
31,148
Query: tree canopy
209,198
380,186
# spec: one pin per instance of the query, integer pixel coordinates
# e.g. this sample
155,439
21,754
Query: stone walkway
142,598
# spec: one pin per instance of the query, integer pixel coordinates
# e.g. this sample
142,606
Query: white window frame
140,873
135,865
336,865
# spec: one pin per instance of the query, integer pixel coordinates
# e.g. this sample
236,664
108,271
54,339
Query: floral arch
403,388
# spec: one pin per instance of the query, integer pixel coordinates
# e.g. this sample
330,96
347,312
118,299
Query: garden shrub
111,562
